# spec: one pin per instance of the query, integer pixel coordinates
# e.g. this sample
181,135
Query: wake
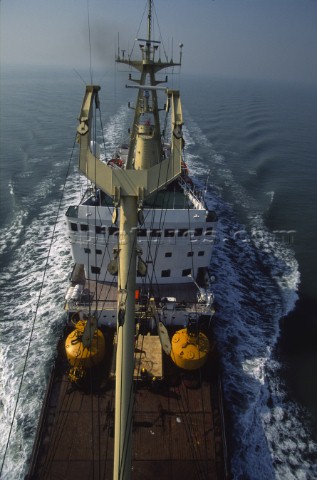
256,285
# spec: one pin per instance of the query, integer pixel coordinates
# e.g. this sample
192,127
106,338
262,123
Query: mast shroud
129,187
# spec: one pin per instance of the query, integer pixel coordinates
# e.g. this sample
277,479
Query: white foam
23,276
21,283
255,368
271,195
11,190
11,234
114,129
256,284
256,281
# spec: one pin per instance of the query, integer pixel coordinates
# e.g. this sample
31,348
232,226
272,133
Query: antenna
89,38
172,48
180,52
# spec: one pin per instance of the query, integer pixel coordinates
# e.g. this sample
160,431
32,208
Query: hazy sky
275,39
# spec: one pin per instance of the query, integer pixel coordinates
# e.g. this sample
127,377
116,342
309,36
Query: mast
149,23
146,171
125,338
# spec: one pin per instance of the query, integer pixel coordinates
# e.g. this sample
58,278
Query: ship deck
107,292
178,432
103,296
173,197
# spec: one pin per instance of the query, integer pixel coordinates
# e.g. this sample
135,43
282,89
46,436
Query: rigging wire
81,78
127,433
190,432
155,256
97,299
91,373
61,423
137,33
38,303
151,258
197,330
106,239
161,37
104,144
149,241
89,39
184,409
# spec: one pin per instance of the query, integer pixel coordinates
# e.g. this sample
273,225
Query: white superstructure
174,242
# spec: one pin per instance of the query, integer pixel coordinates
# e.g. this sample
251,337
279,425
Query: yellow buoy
83,356
189,351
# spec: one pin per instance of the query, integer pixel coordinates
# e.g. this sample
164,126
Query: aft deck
179,195
178,432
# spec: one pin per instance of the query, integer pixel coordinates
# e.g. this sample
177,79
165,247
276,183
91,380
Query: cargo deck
178,432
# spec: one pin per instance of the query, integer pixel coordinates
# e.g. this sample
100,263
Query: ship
136,391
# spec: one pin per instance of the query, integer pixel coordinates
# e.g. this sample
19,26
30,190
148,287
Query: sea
252,144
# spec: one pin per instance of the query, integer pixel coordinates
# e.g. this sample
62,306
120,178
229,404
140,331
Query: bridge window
141,232
84,227
168,254
198,232
186,272
156,232
100,229
166,273
73,227
95,270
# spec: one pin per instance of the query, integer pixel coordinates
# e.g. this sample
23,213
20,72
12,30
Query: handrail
39,432
223,429
191,192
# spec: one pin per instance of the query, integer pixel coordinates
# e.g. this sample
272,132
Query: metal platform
102,297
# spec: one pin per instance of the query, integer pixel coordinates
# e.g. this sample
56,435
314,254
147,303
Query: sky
266,39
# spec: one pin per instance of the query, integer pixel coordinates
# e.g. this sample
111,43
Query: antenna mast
149,22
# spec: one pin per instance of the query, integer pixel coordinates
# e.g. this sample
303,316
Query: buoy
82,356
189,350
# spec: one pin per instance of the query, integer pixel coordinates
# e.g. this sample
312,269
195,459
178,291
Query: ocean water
254,145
